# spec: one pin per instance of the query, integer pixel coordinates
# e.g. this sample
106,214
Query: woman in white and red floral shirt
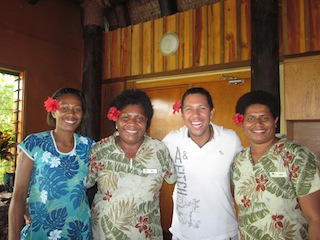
276,182
129,169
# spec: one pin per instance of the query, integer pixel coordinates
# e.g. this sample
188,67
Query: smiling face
259,125
70,113
196,115
132,124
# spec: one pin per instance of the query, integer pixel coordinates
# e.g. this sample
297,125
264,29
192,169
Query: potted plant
7,162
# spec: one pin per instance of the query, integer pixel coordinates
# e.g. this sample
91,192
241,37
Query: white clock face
169,44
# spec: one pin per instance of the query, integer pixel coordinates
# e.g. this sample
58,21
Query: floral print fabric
267,192
57,200
126,205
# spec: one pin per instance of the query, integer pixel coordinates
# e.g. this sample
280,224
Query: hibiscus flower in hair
176,106
238,118
113,114
51,104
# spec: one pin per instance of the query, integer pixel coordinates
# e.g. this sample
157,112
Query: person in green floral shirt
276,182
129,169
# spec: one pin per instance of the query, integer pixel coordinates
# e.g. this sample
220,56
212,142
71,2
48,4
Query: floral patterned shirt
58,204
126,205
267,192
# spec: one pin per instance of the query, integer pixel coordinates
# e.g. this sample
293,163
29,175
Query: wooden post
92,67
265,46
168,7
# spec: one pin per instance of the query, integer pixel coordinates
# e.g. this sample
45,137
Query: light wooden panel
186,39
115,53
125,51
245,28
171,62
136,50
314,24
306,133
158,58
302,88
230,31
147,50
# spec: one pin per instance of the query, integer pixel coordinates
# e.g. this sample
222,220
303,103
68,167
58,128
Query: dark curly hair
201,91
134,97
63,91
258,97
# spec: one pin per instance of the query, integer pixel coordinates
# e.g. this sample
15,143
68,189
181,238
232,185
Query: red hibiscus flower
113,114
176,106
51,104
238,118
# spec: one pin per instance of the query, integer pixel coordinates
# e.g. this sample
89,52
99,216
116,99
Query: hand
26,215
106,139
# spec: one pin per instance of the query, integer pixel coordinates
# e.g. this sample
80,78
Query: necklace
210,136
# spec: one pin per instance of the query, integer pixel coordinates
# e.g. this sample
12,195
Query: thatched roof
123,13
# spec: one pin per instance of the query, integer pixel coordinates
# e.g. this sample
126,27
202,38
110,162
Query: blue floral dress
57,201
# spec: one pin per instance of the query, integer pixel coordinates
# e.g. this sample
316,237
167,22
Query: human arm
19,196
310,205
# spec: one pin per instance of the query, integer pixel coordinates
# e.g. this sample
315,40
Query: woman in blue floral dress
51,171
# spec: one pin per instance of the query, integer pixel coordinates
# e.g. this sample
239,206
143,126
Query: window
11,95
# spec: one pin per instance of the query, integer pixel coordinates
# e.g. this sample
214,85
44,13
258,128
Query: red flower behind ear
176,106
113,114
51,104
238,118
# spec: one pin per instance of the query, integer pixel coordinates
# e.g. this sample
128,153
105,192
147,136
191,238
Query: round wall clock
169,43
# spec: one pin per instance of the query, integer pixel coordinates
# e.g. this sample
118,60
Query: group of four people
276,183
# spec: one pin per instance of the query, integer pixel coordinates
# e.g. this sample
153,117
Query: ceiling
123,13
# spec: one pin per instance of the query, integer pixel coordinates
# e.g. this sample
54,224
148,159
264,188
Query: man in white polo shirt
202,153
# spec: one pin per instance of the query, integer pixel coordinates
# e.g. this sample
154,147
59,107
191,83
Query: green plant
6,144
7,162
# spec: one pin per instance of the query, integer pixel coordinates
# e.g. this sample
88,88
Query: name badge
278,174
149,171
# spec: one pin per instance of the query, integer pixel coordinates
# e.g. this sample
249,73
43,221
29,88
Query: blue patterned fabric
57,201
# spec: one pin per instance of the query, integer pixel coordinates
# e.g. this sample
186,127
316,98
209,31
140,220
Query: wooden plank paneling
302,87
147,50
245,28
125,51
158,57
314,24
230,33
186,38
115,53
196,37
106,68
136,55
215,34
294,26
171,62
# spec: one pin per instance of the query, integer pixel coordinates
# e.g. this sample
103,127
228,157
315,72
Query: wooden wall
210,36
215,34
44,41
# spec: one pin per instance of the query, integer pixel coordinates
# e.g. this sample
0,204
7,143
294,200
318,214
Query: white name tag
278,174
149,170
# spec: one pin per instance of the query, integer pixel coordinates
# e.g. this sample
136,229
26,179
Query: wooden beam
265,46
168,7
92,75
